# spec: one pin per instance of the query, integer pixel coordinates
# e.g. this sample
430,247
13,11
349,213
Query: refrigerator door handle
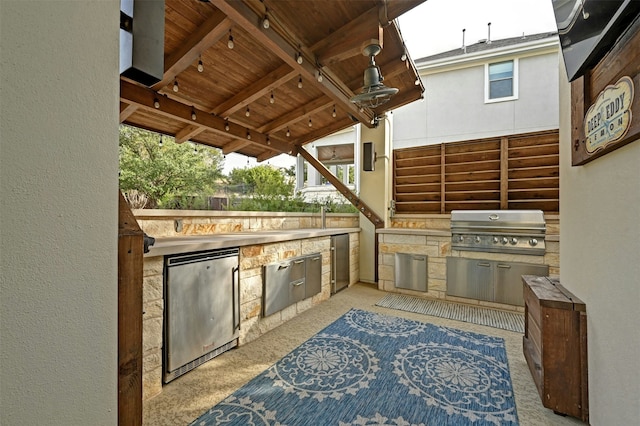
235,272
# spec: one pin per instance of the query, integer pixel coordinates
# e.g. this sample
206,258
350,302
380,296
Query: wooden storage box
555,345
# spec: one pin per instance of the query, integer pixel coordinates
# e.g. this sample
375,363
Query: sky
436,26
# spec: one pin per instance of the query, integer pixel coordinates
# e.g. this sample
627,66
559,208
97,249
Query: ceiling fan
373,93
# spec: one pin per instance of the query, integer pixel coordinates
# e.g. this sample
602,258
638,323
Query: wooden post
504,173
443,179
130,252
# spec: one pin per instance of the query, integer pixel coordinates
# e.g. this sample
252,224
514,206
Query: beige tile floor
187,397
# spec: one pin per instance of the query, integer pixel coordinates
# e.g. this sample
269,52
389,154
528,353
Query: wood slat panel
424,207
472,205
532,151
418,161
482,185
534,172
419,196
477,166
417,171
537,193
473,176
545,205
413,179
425,151
518,171
544,182
418,188
492,144
473,196
542,160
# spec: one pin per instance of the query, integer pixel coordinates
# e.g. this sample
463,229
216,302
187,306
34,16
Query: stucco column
375,191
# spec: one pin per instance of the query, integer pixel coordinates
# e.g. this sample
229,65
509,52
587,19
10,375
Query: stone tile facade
252,260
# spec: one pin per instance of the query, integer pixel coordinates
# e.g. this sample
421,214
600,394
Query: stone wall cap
186,244
414,231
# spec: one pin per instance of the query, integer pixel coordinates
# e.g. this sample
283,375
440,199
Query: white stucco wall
454,107
375,191
600,263
59,182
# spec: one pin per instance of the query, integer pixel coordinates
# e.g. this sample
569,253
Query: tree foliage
262,181
166,175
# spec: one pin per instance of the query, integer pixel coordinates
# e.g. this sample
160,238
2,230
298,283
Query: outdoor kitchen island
430,237
256,249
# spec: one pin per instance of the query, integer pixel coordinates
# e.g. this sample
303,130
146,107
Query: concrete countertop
175,245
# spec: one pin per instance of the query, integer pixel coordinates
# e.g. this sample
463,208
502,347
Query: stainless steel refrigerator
340,254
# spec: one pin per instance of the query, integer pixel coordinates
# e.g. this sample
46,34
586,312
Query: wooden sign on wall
605,112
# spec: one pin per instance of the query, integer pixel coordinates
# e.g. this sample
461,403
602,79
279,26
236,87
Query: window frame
514,82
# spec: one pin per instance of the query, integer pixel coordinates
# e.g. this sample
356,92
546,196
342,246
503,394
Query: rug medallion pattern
373,369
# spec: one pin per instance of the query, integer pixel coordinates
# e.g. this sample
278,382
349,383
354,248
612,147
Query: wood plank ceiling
248,99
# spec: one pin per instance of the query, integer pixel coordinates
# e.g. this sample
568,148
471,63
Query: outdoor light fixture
310,123
333,114
247,113
288,132
300,82
248,135
265,22
175,85
373,93
272,100
156,103
200,65
319,76
230,44
226,125
193,114
299,58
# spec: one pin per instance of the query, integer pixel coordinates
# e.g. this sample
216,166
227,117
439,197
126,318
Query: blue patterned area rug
373,369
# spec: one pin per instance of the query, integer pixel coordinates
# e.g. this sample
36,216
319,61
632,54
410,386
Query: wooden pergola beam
242,15
343,189
145,99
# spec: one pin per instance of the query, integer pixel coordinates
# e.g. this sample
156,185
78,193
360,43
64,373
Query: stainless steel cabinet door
471,278
508,283
276,287
199,300
411,271
313,275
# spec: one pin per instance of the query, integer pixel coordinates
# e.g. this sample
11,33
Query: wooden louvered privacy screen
510,172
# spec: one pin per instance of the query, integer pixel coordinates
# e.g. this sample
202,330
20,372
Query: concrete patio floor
189,396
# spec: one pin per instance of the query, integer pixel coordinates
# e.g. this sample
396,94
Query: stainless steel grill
499,231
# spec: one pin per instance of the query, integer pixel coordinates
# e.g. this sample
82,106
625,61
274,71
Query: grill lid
503,231
501,221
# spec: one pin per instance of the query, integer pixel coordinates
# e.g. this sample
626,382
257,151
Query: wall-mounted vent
142,40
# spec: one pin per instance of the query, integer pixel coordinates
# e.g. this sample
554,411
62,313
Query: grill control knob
496,240
477,239
514,241
504,240
533,242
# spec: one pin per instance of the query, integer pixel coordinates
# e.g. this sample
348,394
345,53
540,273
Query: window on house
501,81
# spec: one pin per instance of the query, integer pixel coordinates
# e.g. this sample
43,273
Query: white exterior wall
454,107
600,264
59,183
